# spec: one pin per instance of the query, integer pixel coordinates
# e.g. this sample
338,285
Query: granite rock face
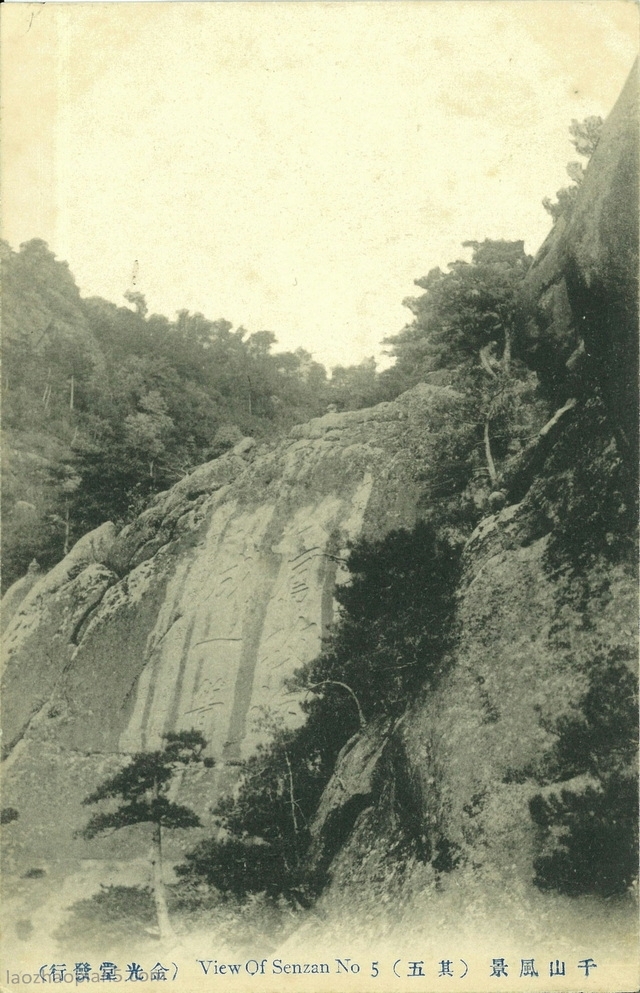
197,614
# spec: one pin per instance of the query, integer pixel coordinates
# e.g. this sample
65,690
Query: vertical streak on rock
330,567
146,688
172,719
161,612
251,634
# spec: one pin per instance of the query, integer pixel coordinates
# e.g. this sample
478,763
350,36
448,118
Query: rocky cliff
197,614
584,280
449,786
428,818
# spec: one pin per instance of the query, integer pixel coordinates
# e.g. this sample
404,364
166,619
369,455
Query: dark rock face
472,748
584,281
356,785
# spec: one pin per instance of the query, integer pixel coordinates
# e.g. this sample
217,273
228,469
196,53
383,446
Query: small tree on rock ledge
142,787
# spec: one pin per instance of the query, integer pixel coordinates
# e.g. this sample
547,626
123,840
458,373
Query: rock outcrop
451,780
198,613
584,280
450,783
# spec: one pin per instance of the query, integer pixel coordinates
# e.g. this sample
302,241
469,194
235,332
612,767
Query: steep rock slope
584,280
196,614
431,815
447,787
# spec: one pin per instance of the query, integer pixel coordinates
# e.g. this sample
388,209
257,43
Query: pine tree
142,787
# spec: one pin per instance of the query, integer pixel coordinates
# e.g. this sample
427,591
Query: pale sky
294,166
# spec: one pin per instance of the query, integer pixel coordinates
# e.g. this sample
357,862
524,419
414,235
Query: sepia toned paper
295,166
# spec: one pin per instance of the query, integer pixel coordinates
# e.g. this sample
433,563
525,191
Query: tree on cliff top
469,323
142,787
473,306
585,136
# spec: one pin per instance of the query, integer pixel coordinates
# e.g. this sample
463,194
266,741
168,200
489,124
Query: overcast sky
294,166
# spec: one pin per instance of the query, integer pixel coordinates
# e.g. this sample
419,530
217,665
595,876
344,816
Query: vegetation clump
594,846
471,324
113,915
585,136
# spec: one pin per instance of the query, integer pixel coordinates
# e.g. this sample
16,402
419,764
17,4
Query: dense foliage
263,833
595,832
473,305
396,623
585,136
103,406
468,331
